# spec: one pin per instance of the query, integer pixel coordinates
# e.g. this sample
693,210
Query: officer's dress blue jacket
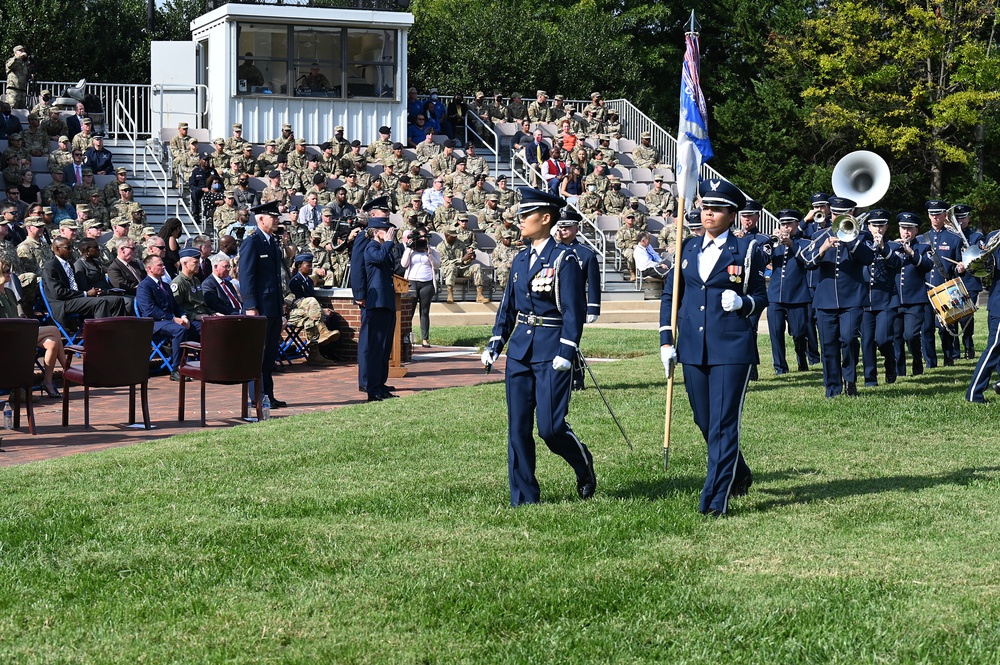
378,266
592,273
358,276
532,344
260,287
708,335
881,278
911,288
789,284
301,286
841,280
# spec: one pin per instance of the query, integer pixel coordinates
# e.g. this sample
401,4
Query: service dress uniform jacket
788,298
990,358
380,305
540,316
879,316
947,247
261,273
912,303
717,350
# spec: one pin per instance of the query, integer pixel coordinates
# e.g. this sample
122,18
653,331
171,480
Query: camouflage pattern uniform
444,164
601,182
489,219
234,145
508,198
100,213
645,156
452,266
625,240
476,166
445,216
49,192
30,281
475,198
356,195
17,83
82,193
378,150
55,126
516,111
266,162
58,159
614,201
418,217
82,142
427,151
279,194
224,216
418,182
219,159
460,182
36,140
502,258
298,161
323,196
662,203
283,144
590,203
33,255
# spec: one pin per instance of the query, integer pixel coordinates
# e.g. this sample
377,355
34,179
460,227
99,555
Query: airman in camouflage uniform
418,182
328,266
120,233
516,110
398,160
188,294
320,189
610,156
481,108
110,192
226,214
490,216
415,215
54,125
57,185
275,192
427,150
85,139
626,239
86,189
474,164
508,226
16,148
497,111
234,144
539,110
138,223
30,281
591,125
507,197
644,154
475,198
503,257
289,179
180,147
590,203
61,156
457,260
446,215
247,162
633,209
298,159
267,161
445,163
379,149
218,159
99,212
614,200
613,125
187,164
350,160
17,78
596,106
598,179
355,192
308,175
284,143
33,251
36,140
329,161
125,206
660,201
460,181
14,172
464,233
338,144
44,105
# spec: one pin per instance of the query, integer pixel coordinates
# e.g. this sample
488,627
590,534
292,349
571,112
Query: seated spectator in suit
221,295
89,269
64,294
9,124
73,172
126,271
49,339
75,122
154,300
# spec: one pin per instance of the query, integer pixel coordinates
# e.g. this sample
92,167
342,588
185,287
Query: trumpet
779,238
819,218
847,228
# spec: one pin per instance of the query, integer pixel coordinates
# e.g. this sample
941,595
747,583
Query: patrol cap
839,204
87,121
327,212
819,199
789,216
492,197
190,253
463,216
962,211
569,217
717,192
604,137
124,187
432,90
559,98
46,92
237,126
69,224
219,141
285,127
936,206
120,221
879,216
907,219
121,170
19,48
316,233
450,230
535,199
693,218
614,179
480,94
270,142
16,136
658,178
449,192
35,221
148,231
46,210
63,139
80,207
194,140
646,135
92,224
270,208
338,128
379,203
751,207
318,178
300,141
230,194
384,130
595,95
303,258
182,125
541,93
629,215
509,232
86,171
515,95
359,159
274,174
633,199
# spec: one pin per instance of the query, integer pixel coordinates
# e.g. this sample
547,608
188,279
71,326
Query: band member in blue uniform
261,272
973,284
915,261
788,294
879,317
380,299
568,228
818,218
947,247
749,219
721,286
840,296
990,358
540,320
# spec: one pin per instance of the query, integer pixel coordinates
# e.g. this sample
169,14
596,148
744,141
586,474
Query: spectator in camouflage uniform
119,234
355,192
98,211
397,159
660,201
234,144
348,161
610,156
379,149
286,141
33,250
490,216
645,155
298,159
219,158
83,191
247,162
614,200
598,179
444,164
36,140
329,266
85,139
226,214
502,258
457,261
497,111
320,187
464,233
475,198
186,287
57,185
459,180
446,214
403,194
538,110
474,164
338,144
590,202
508,198
390,181
54,125
329,161
17,78
418,182
427,150
613,125
267,161
626,239
516,110
110,192
416,216
596,106
61,156
275,192
633,209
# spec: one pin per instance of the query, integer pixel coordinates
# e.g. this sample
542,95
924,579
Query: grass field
381,533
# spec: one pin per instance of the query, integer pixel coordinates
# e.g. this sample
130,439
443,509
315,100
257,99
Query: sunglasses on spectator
78,154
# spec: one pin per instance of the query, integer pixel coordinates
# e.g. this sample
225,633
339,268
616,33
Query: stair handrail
493,146
151,164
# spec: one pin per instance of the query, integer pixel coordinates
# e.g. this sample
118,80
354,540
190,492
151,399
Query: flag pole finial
693,26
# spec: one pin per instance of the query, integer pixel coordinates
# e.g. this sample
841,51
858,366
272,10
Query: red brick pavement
306,389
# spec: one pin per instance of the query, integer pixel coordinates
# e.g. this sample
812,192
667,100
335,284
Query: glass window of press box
306,61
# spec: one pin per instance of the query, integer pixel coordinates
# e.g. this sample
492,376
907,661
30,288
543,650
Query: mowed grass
381,533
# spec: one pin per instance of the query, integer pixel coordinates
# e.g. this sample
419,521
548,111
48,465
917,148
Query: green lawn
381,533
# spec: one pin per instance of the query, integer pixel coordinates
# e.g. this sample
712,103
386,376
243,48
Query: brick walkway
305,389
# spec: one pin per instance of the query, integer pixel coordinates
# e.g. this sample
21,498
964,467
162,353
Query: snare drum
951,301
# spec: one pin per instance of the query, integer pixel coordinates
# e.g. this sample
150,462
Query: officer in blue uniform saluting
569,227
380,299
540,320
721,287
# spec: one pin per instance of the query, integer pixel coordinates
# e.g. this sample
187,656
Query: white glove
668,356
592,318
560,364
488,357
730,301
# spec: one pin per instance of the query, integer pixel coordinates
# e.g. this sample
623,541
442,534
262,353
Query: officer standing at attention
841,294
261,273
541,314
947,247
569,227
380,299
721,287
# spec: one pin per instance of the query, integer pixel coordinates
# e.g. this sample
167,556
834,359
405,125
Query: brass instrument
847,228
981,261
819,218
861,176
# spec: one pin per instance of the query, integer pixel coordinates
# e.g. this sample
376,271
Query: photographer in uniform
422,263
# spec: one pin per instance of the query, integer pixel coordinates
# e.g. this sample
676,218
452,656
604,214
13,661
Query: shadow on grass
837,489
663,487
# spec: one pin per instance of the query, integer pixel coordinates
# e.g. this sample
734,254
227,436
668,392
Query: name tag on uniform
264,256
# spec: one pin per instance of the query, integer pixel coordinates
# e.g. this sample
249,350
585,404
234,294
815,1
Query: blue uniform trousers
838,333
272,340
812,344
987,364
363,351
949,342
535,390
877,334
381,326
907,333
968,326
716,395
754,324
796,319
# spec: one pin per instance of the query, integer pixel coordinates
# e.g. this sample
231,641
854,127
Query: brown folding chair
232,351
17,364
115,353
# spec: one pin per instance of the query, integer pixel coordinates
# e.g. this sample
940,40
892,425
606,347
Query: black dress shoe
586,486
742,487
803,367
277,403
851,388
996,387
376,398
918,368
949,362
175,376
387,395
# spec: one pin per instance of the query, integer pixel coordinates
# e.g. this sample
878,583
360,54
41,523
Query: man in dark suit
221,295
380,299
260,287
98,158
154,300
9,124
65,296
73,172
126,271
75,122
88,268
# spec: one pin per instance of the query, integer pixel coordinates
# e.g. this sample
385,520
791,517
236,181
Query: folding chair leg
65,413
86,406
144,396
202,403
180,400
131,405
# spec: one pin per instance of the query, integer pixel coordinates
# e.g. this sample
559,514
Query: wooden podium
396,370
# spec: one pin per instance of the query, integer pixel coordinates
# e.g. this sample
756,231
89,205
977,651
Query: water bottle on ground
8,416
265,408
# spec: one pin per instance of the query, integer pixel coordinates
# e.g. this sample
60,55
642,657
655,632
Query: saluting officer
947,246
973,284
380,298
990,358
540,319
916,260
879,316
722,285
840,297
569,227
788,294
